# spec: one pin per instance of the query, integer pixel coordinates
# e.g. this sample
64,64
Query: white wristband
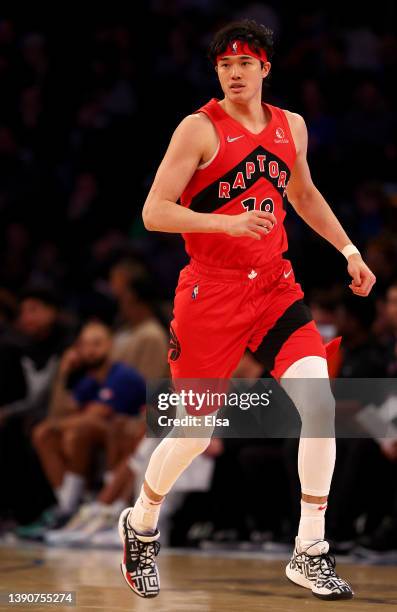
349,249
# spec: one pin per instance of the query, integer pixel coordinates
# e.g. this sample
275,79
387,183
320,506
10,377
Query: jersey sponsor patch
280,136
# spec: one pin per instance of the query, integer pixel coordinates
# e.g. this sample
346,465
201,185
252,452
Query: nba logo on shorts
195,292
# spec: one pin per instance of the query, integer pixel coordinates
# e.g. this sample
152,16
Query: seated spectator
366,486
384,454
103,512
142,342
95,523
38,338
384,465
80,415
29,354
354,484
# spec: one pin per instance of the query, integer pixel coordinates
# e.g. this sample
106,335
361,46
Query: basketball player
233,164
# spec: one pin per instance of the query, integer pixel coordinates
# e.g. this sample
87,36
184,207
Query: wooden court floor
190,583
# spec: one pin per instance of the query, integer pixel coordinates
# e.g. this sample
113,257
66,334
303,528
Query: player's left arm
316,212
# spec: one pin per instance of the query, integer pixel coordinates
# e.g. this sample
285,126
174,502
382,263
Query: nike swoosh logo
288,273
230,139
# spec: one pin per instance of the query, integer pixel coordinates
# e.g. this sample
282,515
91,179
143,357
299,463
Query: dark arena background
88,102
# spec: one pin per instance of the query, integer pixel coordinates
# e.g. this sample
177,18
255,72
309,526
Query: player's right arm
188,148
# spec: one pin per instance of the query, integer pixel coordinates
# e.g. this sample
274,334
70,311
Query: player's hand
253,224
363,278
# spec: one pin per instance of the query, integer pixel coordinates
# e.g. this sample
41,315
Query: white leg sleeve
174,454
171,457
316,406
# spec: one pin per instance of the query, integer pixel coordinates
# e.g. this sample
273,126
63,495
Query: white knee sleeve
316,406
175,453
171,457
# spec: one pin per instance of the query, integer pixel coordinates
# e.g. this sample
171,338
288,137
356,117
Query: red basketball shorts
219,313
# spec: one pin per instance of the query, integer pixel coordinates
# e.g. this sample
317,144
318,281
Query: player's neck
250,114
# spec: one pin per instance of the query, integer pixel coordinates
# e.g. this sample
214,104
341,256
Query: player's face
241,76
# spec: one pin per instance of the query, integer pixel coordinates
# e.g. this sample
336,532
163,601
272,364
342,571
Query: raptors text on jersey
249,172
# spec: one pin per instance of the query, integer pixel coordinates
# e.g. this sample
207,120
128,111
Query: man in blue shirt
123,390
83,414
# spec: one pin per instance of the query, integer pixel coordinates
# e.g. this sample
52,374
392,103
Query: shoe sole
123,567
299,580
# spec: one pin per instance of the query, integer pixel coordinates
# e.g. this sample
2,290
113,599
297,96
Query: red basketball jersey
250,171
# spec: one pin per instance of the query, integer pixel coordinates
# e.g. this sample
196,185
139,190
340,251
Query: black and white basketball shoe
139,566
314,569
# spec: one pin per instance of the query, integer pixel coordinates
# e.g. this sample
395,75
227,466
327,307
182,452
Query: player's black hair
256,35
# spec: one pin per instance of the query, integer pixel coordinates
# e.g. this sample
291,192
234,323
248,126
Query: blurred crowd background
88,104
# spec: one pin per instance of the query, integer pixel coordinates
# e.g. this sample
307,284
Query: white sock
312,523
69,493
144,516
